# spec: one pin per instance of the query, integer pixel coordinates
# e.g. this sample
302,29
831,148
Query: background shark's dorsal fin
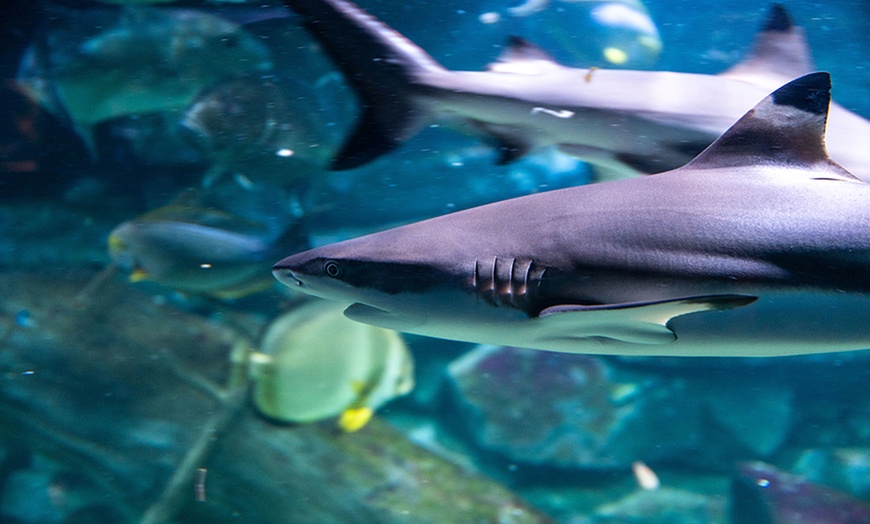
785,129
780,50
523,58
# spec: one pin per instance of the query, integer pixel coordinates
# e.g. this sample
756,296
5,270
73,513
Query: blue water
131,401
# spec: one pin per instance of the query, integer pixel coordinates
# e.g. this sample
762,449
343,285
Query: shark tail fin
786,128
380,64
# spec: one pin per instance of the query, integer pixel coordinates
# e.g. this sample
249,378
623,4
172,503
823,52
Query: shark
623,122
759,246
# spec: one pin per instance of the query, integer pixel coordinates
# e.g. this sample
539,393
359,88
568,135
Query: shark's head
372,275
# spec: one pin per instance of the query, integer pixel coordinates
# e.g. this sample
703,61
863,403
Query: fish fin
522,57
633,322
780,49
379,317
381,65
353,419
243,289
786,128
138,275
509,144
604,163
381,128
259,363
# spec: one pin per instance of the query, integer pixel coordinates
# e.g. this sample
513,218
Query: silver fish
200,250
137,60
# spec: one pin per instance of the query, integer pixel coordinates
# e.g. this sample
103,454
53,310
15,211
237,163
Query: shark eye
332,269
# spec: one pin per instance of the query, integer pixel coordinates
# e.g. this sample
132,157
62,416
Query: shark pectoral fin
633,322
381,318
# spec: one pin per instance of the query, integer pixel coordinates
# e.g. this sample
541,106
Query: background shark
623,122
757,247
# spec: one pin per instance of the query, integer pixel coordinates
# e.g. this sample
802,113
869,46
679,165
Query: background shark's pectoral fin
633,322
381,318
509,142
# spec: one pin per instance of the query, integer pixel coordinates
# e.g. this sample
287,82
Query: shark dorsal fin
522,57
780,51
785,129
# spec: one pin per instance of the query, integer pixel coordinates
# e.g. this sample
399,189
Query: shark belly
777,324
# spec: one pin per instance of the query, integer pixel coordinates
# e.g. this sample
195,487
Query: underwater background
157,158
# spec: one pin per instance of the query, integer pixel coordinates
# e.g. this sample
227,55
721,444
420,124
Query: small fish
94,65
757,247
200,250
644,475
315,364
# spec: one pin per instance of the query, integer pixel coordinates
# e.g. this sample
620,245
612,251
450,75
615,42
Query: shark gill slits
332,269
506,281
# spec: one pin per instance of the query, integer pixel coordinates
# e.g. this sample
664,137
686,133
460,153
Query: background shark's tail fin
380,64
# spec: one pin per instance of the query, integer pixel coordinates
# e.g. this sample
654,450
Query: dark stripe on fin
785,129
380,64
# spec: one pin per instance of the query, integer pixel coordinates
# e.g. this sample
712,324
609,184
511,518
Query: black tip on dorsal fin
521,49
785,129
780,52
778,20
522,57
810,93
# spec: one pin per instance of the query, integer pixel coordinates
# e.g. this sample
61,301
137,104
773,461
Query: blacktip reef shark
624,122
760,246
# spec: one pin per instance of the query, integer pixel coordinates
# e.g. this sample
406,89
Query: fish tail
384,68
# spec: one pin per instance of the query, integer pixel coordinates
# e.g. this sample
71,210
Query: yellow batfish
316,364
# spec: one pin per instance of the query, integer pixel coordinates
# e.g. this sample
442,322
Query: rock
662,506
261,472
758,416
764,494
847,469
119,408
27,497
569,410
541,407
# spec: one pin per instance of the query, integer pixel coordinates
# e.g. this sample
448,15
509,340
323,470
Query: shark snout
287,272
286,277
